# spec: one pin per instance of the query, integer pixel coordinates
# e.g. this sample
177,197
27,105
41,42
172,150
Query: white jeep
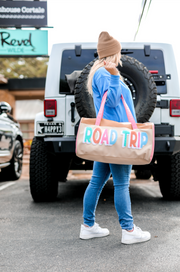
150,72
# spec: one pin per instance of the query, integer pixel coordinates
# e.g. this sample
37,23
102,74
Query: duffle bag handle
128,112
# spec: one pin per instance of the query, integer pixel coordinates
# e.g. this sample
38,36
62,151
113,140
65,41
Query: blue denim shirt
114,108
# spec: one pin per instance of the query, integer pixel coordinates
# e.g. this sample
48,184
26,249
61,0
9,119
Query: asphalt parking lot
45,236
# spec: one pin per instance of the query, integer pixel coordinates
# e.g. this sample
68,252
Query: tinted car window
71,62
153,62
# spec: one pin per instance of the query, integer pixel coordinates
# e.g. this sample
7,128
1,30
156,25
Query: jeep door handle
72,112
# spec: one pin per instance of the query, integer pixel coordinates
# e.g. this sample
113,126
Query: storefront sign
23,42
23,13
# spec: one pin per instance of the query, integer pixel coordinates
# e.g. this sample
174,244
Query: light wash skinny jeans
121,177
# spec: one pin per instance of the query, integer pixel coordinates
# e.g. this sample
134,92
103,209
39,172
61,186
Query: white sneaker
93,232
136,236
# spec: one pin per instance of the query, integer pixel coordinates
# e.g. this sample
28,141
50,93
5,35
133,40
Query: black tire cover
137,78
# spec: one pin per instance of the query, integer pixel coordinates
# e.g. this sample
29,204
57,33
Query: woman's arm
112,85
110,82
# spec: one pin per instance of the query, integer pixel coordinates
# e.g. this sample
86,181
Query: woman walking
102,77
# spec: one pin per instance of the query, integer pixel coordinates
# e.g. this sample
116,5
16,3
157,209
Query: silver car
11,145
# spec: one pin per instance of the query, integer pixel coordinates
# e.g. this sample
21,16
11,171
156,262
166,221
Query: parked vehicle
11,145
150,72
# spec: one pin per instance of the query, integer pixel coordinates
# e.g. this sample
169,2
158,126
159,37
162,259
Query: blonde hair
100,63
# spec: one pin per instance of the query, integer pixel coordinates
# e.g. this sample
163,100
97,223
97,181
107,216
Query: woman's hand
111,68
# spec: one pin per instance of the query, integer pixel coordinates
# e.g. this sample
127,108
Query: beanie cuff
106,52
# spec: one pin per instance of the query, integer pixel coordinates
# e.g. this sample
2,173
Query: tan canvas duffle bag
109,141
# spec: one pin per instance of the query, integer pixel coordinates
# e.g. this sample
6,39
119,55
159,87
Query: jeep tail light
50,107
153,72
175,107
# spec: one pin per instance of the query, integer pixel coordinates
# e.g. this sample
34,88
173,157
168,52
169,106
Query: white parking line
6,185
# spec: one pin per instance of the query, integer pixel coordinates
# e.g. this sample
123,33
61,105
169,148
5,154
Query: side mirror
5,107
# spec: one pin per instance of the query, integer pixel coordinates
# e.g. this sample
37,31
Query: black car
11,145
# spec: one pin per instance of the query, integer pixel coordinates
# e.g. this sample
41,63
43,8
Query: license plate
50,128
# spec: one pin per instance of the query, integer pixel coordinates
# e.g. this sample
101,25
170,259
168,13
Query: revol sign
23,42
23,13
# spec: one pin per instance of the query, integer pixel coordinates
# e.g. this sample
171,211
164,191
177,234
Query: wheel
43,179
142,86
62,165
169,176
142,174
14,170
83,100
137,78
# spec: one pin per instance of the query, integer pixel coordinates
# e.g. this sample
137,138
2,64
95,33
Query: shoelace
96,225
137,227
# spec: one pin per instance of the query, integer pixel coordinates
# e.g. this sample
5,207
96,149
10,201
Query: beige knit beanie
107,45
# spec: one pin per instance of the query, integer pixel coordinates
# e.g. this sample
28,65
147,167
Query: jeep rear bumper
163,145
167,145
60,144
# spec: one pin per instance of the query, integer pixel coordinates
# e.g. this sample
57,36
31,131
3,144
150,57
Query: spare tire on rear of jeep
137,78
